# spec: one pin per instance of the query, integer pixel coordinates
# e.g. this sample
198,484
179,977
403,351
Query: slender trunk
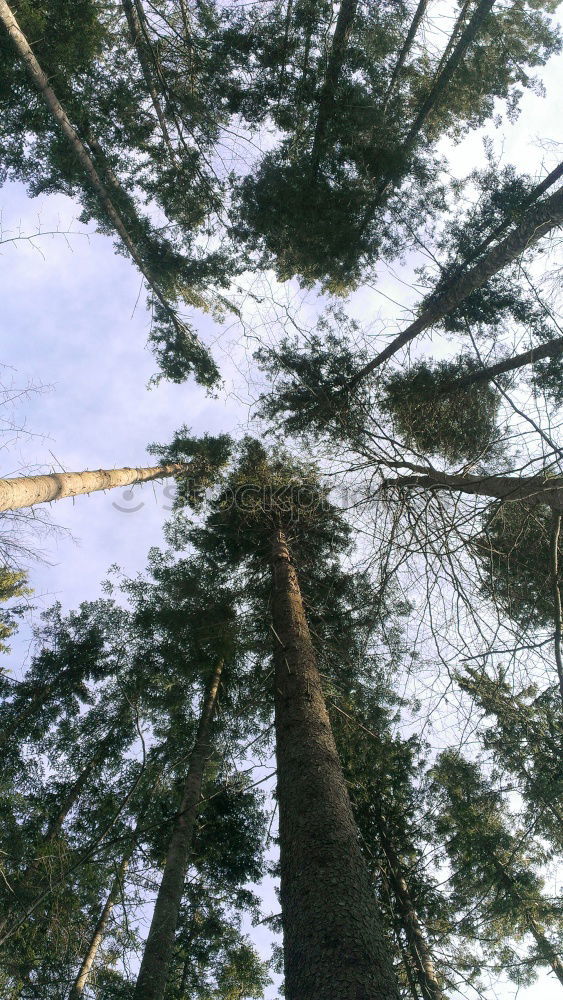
41,82
531,490
159,946
557,609
545,947
535,223
432,99
426,973
138,38
407,45
453,38
281,81
344,22
81,980
25,491
333,942
549,350
536,192
75,791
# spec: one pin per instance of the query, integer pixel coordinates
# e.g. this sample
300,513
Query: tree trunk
536,192
531,490
99,931
138,39
545,947
333,942
159,946
549,350
557,608
26,491
426,973
407,45
535,223
41,82
344,22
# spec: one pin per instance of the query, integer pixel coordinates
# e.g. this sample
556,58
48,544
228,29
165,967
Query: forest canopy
289,722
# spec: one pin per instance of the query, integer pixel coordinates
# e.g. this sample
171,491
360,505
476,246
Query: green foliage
514,553
308,378
473,823
460,425
12,585
524,732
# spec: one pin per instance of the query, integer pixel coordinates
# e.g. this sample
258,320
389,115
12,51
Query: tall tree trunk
344,22
551,349
557,607
531,490
83,975
25,491
333,942
535,223
426,973
159,946
407,45
41,82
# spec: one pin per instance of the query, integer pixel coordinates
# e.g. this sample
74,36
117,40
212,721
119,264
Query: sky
73,323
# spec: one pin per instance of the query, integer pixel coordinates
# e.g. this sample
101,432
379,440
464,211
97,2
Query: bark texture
535,223
25,491
532,490
157,956
81,980
333,942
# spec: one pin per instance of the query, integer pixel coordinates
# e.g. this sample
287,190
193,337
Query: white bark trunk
25,491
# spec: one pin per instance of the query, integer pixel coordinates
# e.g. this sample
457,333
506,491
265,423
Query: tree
332,935
494,870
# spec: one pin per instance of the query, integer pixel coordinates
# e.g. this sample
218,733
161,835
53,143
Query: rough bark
333,943
549,350
25,491
407,45
344,22
531,490
535,223
159,946
422,958
41,82
83,975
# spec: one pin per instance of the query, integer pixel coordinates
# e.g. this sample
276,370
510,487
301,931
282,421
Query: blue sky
73,321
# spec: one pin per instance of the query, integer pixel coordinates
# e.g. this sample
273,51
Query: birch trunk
25,491
159,946
333,942
41,82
